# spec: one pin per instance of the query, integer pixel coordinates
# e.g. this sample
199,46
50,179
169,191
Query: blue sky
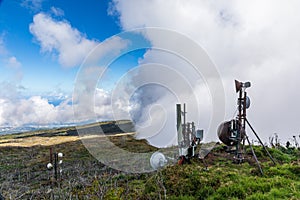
42,46
41,72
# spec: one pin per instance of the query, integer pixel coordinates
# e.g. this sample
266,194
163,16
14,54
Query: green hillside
24,175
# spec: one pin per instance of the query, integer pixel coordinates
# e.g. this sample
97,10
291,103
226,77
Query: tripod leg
205,164
244,149
260,141
254,155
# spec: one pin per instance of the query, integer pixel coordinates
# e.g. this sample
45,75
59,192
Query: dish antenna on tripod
158,160
233,132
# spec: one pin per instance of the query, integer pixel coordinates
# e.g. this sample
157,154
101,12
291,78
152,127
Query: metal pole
193,130
189,133
55,165
240,107
240,116
180,137
260,141
254,155
178,110
184,125
51,155
243,118
184,112
244,109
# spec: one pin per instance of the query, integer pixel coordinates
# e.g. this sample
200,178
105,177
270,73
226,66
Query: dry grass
68,134
35,141
49,141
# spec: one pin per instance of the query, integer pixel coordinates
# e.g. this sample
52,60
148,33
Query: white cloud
9,90
37,110
33,5
13,62
248,40
60,37
57,11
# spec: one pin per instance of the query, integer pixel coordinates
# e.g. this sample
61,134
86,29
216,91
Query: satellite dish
238,85
247,102
226,135
158,160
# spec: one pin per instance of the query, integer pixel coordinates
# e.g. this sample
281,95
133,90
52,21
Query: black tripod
254,155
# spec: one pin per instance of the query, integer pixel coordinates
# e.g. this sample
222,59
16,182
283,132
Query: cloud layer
40,111
248,40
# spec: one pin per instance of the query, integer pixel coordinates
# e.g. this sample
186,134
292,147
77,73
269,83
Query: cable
234,112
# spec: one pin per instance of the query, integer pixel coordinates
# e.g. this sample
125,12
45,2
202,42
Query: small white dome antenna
158,160
49,166
55,164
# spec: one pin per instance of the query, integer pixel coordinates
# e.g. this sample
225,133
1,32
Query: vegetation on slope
24,175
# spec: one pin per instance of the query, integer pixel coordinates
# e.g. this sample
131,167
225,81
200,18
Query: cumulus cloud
10,90
57,11
38,110
10,62
33,5
35,110
60,37
247,40
13,62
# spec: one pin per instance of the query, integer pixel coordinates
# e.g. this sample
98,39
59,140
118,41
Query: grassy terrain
23,174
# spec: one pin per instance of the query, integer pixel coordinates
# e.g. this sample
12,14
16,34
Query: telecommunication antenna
188,139
233,133
188,136
55,164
